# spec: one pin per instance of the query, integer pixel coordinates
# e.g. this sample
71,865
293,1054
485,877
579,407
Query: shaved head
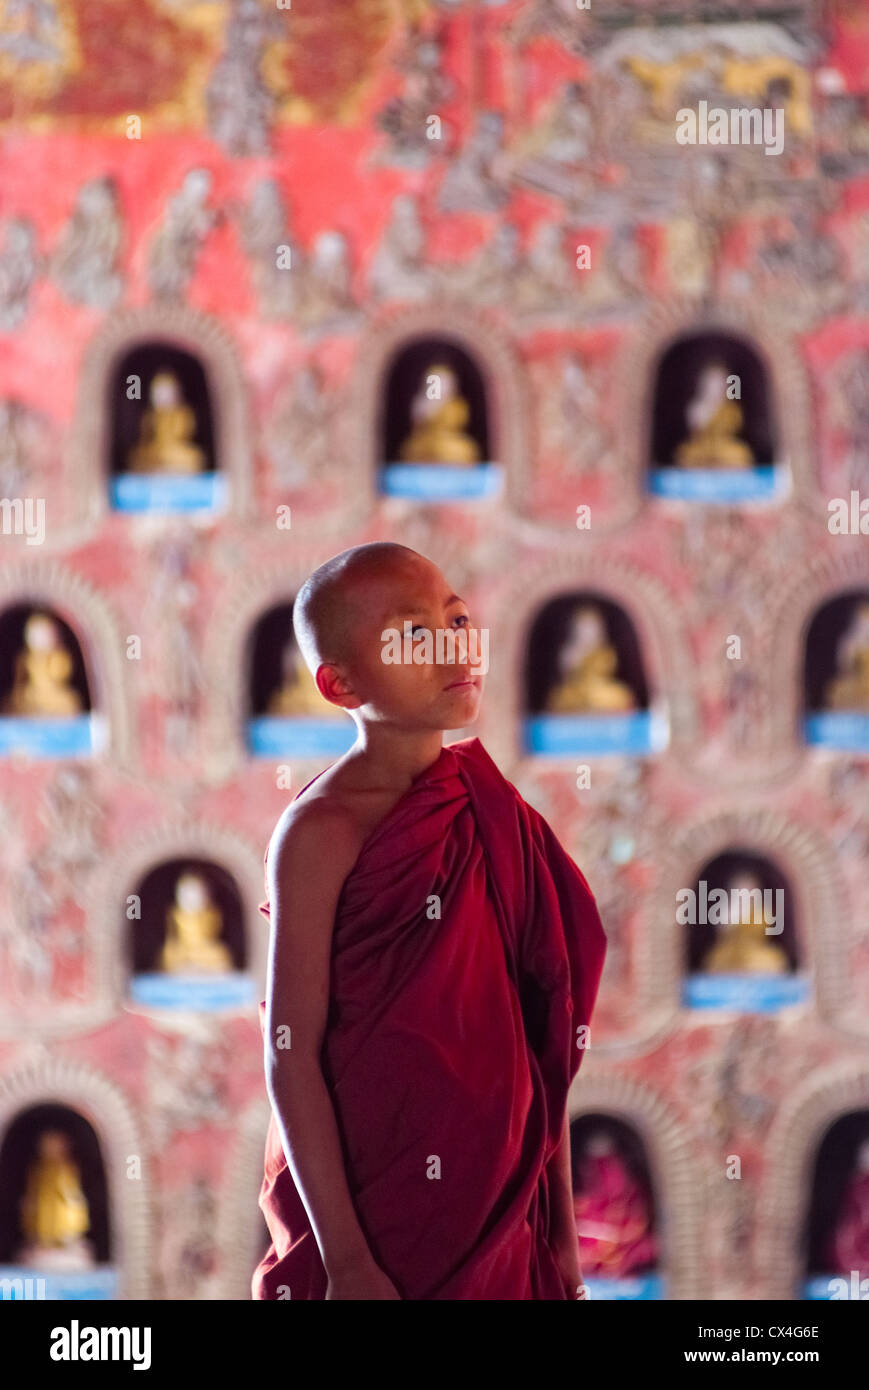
328,605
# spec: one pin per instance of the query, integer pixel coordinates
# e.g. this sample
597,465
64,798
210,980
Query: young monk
434,958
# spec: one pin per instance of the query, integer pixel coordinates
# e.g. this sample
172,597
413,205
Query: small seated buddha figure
41,678
193,926
54,1211
848,1242
613,1213
297,696
167,428
849,690
744,948
439,434
587,665
714,422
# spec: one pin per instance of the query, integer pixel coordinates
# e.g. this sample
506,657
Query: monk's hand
361,1279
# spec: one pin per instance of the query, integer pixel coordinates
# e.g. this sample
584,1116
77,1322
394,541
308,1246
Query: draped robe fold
466,957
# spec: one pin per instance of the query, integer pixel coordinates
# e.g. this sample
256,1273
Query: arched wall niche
789,624
807,861
113,1117
673,1169
663,642
636,371
88,459
804,1117
239,1217
175,839
476,333
48,584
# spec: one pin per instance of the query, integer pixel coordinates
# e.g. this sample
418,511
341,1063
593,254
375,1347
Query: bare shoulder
320,834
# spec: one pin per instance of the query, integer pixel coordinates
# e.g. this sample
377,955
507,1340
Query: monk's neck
397,756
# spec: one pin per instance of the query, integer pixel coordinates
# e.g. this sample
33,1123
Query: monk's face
441,693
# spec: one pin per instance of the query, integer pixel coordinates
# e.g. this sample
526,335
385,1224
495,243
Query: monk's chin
464,710
461,722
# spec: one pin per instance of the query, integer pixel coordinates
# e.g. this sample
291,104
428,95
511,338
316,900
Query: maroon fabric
450,1040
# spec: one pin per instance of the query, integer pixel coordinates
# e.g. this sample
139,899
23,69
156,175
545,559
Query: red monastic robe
848,1245
450,1044
613,1219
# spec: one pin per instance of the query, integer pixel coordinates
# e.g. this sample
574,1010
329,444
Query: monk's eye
419,628
462,618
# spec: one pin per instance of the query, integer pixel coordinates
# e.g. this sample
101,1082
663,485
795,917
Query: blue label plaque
270,736
845,730
764,483
40,737
566,734
745,993
835,1288
18,1283
441,482
167,492
632,1287
198,993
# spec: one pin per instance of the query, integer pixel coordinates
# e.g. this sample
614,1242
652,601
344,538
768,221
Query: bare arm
562,1221
311,854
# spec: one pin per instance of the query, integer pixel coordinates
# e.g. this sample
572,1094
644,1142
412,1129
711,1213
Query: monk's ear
335,687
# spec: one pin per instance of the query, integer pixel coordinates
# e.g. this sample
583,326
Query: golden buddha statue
40,683
587,665
193,926
297,696
744,947
850,689
439,434
167,427
54,1212
714,422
